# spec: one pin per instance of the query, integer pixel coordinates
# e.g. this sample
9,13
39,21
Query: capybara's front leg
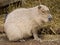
35,34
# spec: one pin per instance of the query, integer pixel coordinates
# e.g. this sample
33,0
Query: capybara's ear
39,7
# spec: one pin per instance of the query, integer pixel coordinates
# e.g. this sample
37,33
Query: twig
53,30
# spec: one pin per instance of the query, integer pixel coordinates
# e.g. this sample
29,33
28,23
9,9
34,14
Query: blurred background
7,6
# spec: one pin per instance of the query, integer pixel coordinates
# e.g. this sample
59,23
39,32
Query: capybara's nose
49,17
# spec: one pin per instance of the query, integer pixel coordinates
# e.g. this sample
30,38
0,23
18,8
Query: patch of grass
1,20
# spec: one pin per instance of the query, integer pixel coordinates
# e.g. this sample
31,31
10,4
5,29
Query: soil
30,42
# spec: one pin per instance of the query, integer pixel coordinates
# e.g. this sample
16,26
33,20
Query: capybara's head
44,13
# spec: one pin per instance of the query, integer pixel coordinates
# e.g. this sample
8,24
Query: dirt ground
31,42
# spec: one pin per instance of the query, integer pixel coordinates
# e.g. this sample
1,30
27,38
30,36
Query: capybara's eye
43,11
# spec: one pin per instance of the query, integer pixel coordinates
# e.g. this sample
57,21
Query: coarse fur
21,23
